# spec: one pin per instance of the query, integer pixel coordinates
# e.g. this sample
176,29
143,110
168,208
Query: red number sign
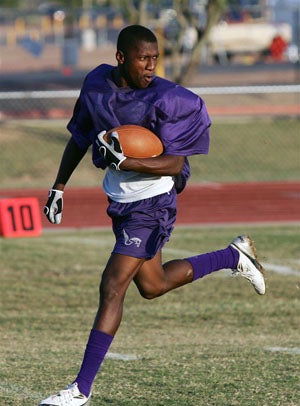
20,217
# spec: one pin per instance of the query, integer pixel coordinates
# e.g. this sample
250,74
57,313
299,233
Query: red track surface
199,204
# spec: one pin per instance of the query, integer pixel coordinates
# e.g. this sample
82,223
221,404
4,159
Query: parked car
241,38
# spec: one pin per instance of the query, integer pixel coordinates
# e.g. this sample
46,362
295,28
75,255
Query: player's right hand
112,153
54,206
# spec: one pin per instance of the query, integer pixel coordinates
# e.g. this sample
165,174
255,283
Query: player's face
138,65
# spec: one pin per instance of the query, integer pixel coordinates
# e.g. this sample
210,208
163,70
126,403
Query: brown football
137,141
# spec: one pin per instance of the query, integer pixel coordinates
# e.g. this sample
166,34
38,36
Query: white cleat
248,265
68,397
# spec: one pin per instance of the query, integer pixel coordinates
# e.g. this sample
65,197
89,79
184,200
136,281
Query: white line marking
177,252
18,391
108,241
121,357
295,350
282,269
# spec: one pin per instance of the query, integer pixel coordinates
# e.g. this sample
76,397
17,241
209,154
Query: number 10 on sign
20,217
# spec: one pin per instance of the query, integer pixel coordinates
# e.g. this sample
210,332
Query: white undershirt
129,186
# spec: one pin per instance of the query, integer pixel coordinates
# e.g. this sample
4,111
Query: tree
185,64
214,9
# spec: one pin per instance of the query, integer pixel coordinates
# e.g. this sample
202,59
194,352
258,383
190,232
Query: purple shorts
143,227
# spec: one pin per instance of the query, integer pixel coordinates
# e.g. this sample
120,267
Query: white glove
54,206
112,153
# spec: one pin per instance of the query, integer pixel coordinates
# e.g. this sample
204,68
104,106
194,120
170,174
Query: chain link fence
255,136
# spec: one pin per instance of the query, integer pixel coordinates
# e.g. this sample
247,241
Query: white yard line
282,269
294,350
109,240
121,357
103,242
11,389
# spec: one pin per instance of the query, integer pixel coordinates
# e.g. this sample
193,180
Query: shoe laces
70,393
244,270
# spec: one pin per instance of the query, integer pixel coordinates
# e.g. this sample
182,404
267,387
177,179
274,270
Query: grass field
250,150
214,342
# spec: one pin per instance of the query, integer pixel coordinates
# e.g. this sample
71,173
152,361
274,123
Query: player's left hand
112,153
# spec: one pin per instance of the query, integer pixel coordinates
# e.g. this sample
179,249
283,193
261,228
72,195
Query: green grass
31,152
208,343
252,150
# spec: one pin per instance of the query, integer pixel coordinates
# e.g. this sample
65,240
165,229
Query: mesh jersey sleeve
186,131
81,125
83,132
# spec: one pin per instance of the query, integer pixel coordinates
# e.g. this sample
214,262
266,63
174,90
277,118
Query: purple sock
204,264
96,348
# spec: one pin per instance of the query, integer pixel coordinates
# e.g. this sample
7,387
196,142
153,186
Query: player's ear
120,57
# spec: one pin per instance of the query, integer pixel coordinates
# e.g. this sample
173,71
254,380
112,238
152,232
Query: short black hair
129,36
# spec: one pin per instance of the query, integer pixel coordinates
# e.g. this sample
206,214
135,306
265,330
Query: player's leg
118,274
116,278
154,279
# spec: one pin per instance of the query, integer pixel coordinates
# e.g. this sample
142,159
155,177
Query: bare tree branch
214,10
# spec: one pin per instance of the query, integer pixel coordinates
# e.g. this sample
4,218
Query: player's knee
148,295
112,290
150,292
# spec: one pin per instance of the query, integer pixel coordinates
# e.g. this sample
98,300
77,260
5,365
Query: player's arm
163,165
70,159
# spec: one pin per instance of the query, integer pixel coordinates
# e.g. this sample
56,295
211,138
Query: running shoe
70,396
248,265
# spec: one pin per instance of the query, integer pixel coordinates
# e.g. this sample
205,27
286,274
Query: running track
214,203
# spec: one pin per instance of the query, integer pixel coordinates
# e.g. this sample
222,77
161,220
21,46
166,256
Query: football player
142,193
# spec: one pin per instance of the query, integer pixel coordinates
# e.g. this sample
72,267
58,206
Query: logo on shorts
129,241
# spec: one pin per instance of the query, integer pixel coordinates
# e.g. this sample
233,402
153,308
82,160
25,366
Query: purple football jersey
175,114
